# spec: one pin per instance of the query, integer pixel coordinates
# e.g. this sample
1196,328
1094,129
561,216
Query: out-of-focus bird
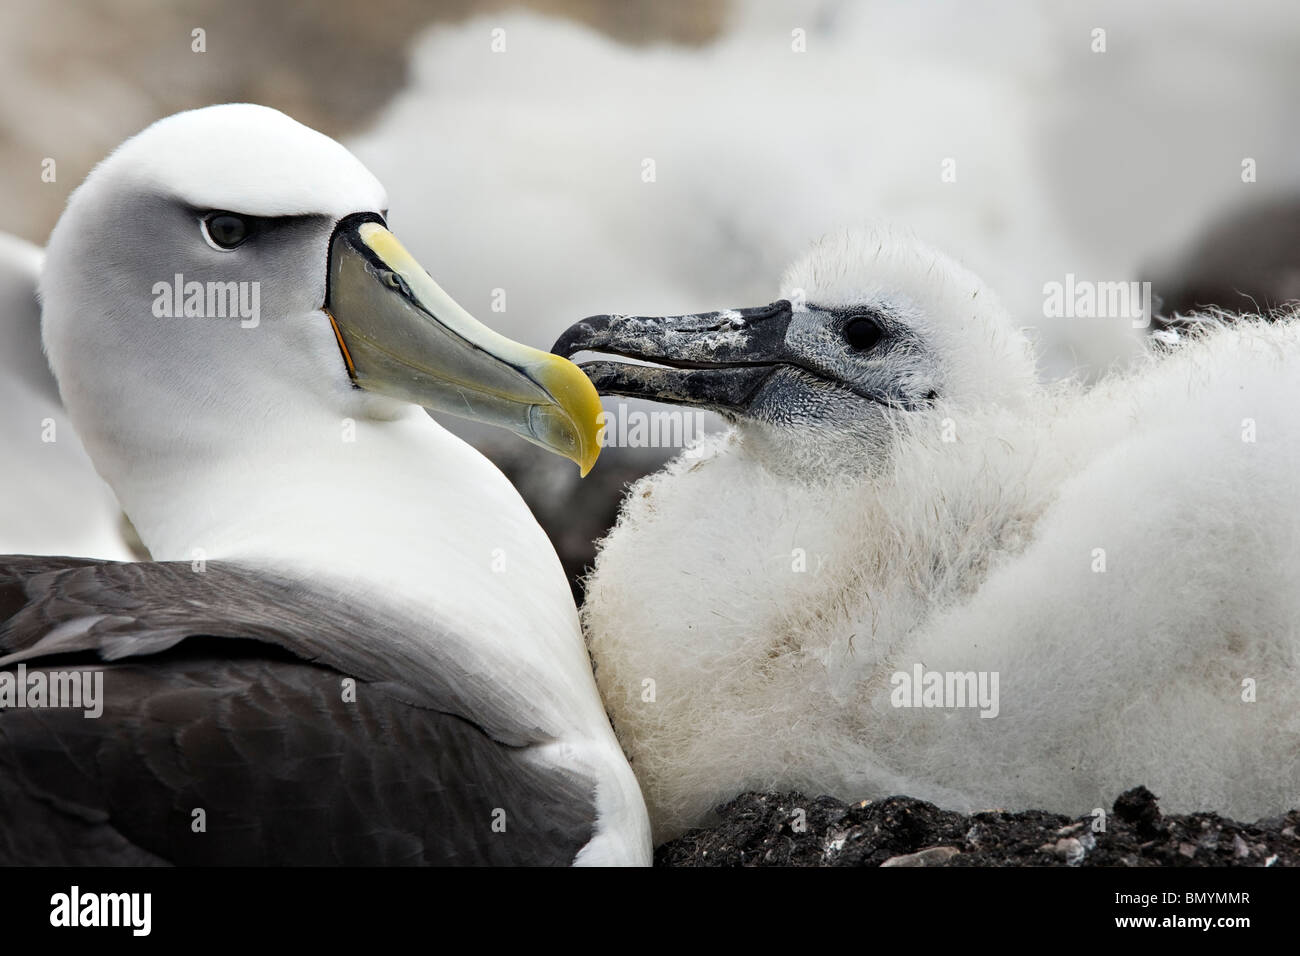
51,499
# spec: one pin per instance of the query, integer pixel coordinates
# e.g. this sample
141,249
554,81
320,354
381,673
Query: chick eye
862,333
226,230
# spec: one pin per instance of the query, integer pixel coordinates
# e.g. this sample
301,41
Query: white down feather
746,614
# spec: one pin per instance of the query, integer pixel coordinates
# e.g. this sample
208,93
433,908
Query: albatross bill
403,336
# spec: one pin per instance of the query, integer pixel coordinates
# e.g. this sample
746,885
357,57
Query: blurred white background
514,139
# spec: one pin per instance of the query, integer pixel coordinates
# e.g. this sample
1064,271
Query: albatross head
874,328
229,272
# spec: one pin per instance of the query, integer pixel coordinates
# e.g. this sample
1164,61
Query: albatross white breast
355,644
1106,582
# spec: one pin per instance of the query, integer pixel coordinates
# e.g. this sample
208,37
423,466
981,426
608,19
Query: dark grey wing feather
223,693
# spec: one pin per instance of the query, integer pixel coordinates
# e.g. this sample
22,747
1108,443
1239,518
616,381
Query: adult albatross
355,644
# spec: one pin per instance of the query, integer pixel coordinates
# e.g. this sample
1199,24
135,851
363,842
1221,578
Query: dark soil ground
789,829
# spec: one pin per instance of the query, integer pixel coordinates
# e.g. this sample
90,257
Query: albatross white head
222,297
873,326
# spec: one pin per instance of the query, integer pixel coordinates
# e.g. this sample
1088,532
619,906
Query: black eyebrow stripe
261,223
275,222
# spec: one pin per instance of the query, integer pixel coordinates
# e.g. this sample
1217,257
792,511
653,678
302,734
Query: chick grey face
842,368
876,327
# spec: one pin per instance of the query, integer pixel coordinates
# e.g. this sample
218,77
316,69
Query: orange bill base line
343,346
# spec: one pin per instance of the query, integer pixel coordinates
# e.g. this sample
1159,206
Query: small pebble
932,856
1069,849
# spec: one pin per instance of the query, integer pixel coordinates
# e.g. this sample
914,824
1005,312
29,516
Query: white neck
404,509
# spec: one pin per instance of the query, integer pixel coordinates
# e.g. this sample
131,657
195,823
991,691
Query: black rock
790,829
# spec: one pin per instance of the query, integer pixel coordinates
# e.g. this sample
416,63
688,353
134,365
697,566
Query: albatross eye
226,230
862,333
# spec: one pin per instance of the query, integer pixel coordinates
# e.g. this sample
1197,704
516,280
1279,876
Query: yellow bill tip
578,403
549,400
